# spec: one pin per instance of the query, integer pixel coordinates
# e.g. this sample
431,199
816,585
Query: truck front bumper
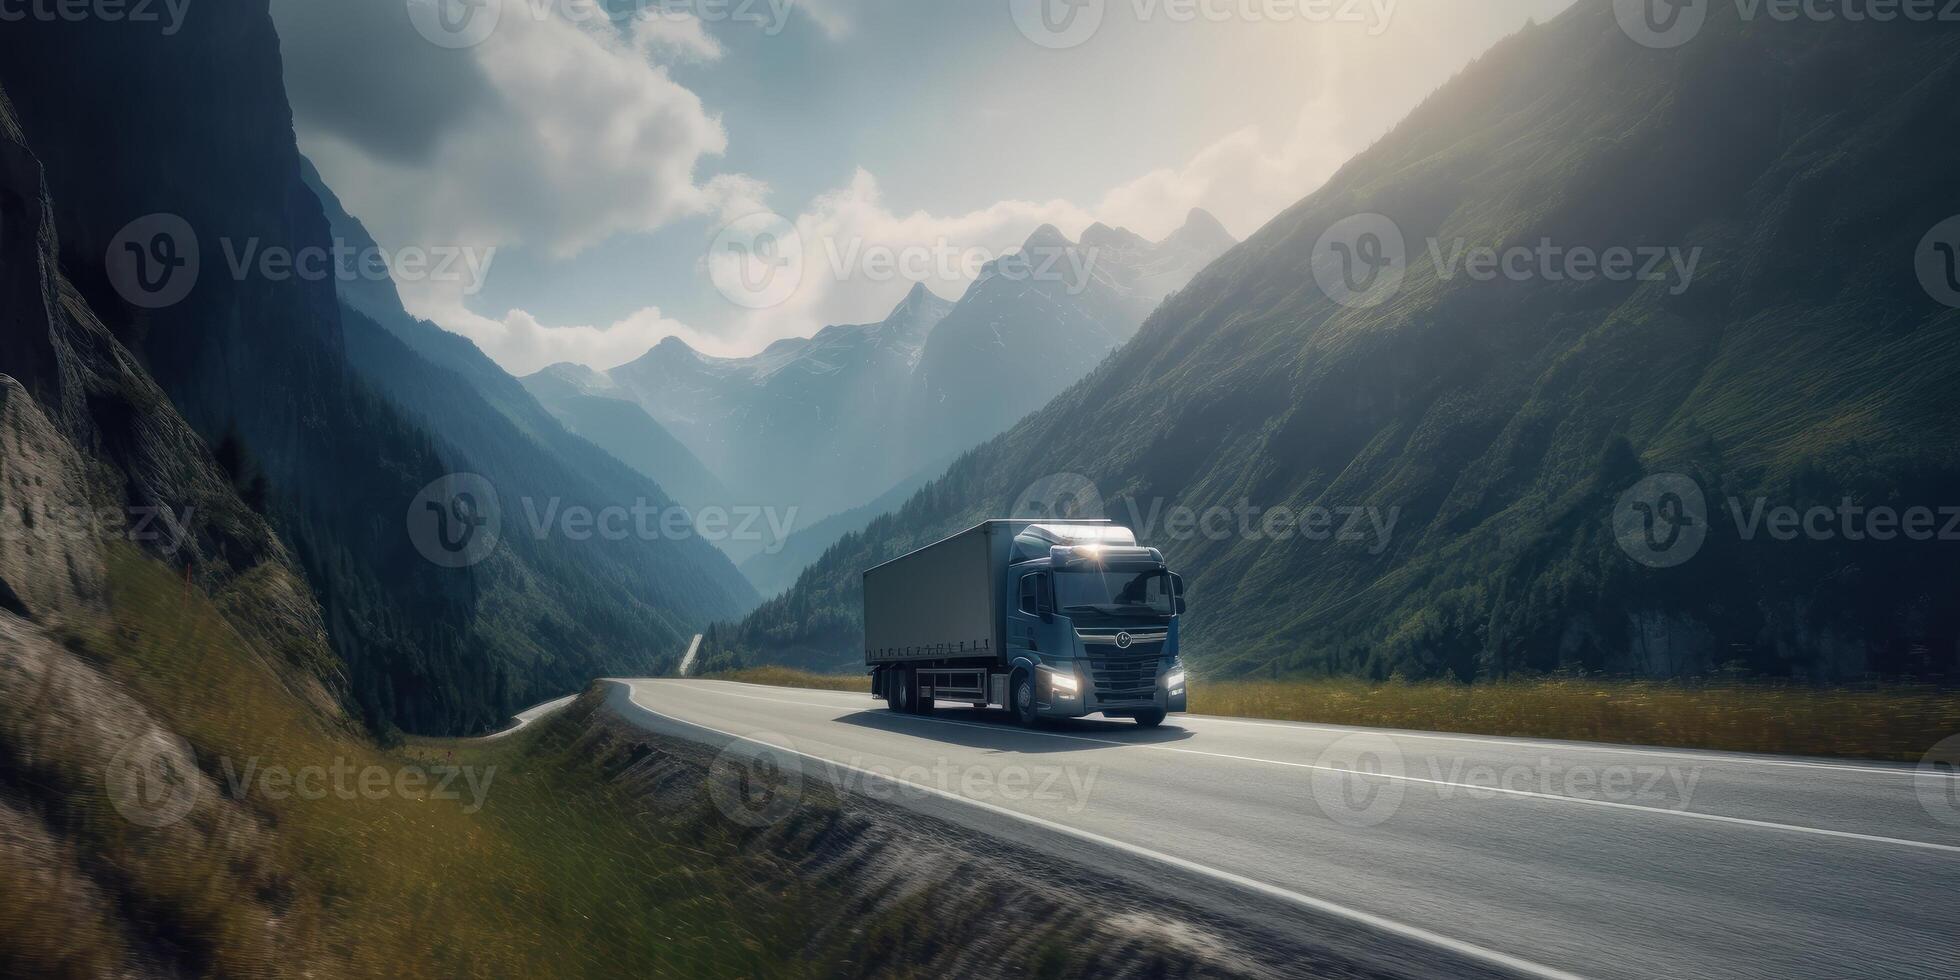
1085,703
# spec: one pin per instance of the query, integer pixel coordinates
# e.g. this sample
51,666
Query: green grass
1898,723
1895,723
560,874
788,677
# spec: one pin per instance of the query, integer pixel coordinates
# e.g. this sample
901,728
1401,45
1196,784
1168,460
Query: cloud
522,345
571,133
676,34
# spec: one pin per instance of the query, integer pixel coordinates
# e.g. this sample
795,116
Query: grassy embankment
557,875
1895,723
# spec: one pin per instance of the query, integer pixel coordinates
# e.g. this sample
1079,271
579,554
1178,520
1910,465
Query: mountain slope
1496,423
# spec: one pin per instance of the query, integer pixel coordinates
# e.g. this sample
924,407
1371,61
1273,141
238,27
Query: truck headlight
1063,683
1175,680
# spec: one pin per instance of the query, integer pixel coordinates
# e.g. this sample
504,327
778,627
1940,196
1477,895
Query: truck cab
1048,619
1093,625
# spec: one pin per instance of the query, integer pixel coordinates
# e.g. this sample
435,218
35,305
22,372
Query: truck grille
1123,679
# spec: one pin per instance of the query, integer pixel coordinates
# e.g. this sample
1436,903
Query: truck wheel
1021,702
1150,719
900,694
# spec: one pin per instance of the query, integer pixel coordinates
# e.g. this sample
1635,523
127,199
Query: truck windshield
1114,593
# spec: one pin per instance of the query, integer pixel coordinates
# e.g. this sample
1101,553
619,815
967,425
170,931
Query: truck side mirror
1181,606
1177,592
1044,599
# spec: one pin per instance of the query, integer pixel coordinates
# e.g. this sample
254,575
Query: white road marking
1369,919
1524,794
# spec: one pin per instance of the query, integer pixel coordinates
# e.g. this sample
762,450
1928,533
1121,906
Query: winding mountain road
1427,853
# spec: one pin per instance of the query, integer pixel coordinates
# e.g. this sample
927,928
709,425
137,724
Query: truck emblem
1122,641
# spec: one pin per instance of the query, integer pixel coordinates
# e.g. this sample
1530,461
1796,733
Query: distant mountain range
830,422
1480,446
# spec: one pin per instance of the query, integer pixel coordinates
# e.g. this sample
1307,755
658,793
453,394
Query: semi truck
1048,619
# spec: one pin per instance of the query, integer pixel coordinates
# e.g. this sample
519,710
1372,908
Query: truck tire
900,694
1021,701
1150,719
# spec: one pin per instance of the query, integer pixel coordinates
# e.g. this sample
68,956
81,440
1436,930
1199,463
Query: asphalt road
1508,855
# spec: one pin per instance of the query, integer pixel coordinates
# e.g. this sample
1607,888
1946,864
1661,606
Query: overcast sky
601,153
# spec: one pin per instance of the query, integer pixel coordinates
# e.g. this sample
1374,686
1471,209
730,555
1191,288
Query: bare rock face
51,560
